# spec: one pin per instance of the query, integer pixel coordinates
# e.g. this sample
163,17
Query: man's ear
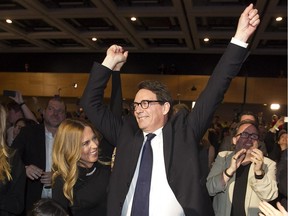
166,108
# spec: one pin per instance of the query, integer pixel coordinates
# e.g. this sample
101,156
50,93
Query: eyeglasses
246,135
144,104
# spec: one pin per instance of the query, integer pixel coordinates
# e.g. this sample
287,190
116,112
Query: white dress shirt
49,140
162,198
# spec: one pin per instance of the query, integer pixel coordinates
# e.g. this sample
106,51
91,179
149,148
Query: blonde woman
12,175
79,181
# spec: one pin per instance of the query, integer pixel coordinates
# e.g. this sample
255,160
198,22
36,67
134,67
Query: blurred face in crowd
247,117
89,149
283,141
246,137
54,114
154,116
13,116
16,130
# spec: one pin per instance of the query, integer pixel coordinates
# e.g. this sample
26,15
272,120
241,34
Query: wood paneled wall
258,90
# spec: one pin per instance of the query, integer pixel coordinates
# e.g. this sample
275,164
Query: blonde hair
66,153
5,153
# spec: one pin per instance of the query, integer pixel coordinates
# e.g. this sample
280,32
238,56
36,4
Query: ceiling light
193,104
94,39
275,106
206,39
133,19
278,19
8,21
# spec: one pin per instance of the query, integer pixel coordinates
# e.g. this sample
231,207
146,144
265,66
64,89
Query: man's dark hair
251,114
26,121
14,106
242,123
158,88
56,98
47,207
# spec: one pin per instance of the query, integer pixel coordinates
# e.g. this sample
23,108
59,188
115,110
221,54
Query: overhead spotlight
133,19
193,104
8,21
206,39
278,19
275,106
94,39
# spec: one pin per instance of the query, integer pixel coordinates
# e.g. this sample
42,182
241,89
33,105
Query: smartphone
285,119
9,93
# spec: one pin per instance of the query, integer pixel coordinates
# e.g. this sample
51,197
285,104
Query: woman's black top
90,191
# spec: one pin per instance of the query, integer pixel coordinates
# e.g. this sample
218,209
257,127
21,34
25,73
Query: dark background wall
145,63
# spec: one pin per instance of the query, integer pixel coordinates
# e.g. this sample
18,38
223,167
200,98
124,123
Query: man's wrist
276,127
108,63
239,42
259,174
228,174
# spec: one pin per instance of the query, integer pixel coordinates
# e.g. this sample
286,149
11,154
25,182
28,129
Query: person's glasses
246,135
144,104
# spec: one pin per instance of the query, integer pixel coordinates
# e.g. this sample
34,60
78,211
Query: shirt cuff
238,42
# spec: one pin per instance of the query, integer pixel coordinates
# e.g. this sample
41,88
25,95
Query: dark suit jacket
30,143
181,136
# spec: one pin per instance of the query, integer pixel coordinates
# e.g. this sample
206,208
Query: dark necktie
140,206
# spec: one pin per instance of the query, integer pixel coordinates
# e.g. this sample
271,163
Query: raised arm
107,122
27,112
227,68
116,93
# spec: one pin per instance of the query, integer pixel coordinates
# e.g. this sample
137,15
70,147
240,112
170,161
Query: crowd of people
170,160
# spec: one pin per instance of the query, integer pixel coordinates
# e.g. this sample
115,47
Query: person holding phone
16,110
240,179
34,144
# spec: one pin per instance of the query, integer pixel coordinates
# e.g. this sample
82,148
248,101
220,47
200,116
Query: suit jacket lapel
42,146
249,189
231,187
168,145
136,145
